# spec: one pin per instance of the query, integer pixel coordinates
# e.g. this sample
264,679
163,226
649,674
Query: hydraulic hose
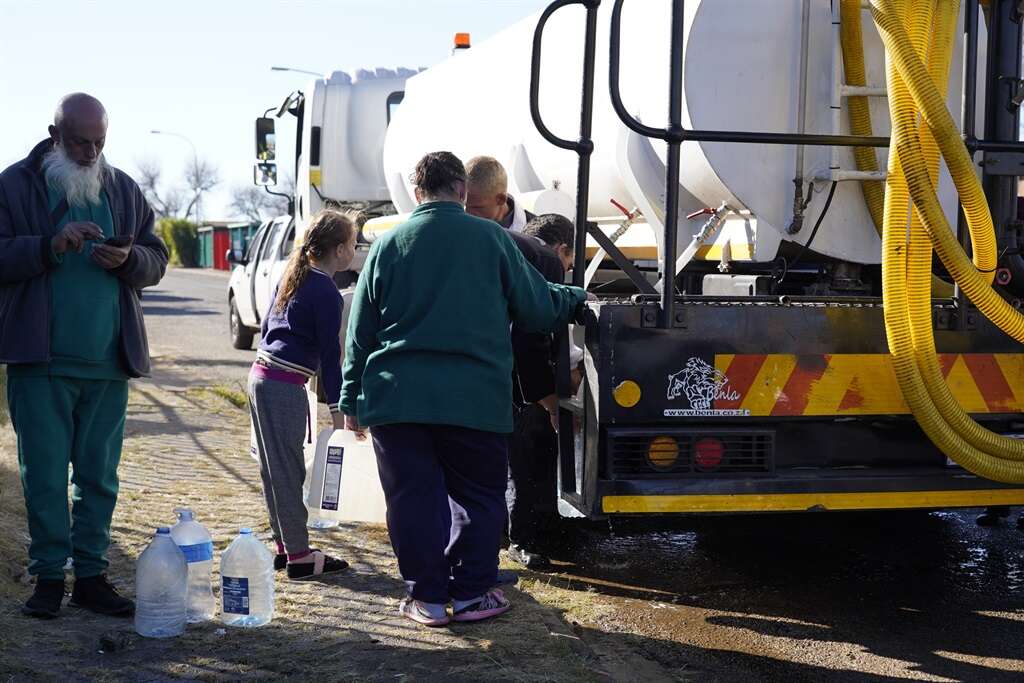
921,128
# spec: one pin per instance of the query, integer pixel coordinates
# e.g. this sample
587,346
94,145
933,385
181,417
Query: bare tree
256,204
201,176
166,202
251,201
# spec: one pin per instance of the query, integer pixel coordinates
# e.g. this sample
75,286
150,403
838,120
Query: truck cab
341,124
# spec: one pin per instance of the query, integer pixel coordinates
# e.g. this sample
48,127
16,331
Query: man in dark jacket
546,242
76,248
533,447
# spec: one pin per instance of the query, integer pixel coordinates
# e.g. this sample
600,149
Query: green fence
204,248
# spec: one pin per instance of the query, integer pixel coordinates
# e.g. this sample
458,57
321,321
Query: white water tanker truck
807,298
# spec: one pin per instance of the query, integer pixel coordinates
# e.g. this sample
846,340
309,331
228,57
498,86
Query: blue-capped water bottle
195,542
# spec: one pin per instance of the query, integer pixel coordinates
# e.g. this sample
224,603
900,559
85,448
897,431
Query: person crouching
300,335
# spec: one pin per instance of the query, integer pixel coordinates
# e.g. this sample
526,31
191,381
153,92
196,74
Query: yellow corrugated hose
852,43
858,108
915,32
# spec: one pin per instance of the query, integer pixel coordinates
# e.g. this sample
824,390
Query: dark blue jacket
26,229
306,335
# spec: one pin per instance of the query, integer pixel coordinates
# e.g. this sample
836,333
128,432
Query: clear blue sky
202,68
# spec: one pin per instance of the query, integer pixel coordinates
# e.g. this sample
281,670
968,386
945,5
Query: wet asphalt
820,596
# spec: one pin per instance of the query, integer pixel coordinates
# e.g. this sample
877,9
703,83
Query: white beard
81,184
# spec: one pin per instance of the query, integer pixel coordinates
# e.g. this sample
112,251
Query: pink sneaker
424,613
490,604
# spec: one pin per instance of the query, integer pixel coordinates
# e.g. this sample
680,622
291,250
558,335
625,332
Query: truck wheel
241,336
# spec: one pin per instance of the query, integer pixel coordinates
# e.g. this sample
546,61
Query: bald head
80,128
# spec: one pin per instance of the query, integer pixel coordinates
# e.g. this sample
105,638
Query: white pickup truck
255,276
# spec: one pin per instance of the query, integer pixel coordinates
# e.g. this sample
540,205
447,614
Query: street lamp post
195,166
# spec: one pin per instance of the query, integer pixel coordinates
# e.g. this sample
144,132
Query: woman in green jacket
428,368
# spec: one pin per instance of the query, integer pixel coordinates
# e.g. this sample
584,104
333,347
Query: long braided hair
327,230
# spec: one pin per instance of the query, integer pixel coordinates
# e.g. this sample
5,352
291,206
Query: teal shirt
428,335
85,307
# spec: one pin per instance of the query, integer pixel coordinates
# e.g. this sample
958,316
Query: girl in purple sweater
300,335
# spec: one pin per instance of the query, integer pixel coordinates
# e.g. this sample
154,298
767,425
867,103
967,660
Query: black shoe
527,558
280,561
506,577
301,571
96,594
45,600
1020,522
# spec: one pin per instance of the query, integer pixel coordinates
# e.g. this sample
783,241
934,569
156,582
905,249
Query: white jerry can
343,481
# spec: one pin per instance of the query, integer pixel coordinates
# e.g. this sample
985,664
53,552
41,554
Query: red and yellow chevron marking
780,385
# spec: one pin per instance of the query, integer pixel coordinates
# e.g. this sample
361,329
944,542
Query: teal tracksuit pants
61,421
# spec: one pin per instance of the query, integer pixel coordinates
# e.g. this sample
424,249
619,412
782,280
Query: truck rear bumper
808,491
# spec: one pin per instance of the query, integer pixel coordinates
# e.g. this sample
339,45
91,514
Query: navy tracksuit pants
445,491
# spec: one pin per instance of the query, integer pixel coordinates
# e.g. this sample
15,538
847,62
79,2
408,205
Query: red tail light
708,453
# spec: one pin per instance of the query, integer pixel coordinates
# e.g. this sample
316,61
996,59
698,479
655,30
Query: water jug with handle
246,582
161,588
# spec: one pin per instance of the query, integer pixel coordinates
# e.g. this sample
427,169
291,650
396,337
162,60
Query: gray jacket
26,228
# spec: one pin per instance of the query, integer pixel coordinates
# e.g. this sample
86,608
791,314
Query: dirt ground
189,447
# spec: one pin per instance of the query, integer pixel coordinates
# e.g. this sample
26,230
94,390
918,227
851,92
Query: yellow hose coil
852,42
919,270
906,253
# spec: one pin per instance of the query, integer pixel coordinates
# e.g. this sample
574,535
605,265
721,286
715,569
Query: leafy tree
181,237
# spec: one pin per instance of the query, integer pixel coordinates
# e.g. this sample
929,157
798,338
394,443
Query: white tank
741,72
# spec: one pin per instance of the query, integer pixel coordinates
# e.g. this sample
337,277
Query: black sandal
322,564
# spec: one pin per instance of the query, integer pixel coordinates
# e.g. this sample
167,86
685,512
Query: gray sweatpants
279,419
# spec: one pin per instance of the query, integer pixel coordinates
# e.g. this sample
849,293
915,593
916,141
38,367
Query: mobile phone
118,241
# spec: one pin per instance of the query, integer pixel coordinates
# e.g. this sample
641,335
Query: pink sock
298,556
280,547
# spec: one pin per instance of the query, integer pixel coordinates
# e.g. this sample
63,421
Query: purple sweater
305,336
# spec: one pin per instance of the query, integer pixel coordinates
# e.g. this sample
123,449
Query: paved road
187,321
922,596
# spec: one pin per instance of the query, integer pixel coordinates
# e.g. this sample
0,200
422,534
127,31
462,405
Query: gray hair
486,175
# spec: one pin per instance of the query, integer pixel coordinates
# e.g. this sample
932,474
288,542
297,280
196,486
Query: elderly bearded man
76,247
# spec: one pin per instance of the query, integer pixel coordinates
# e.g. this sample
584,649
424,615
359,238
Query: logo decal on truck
702,384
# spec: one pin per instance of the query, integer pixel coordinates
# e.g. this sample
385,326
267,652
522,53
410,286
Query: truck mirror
264,173
266,144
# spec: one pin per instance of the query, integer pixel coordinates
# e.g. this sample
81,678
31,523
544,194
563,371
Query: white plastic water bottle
195,542
247,582
161,588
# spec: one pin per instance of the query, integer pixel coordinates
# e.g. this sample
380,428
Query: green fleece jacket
428,335
85,315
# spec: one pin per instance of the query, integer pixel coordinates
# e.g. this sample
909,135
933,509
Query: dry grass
3,395
233,396
13,534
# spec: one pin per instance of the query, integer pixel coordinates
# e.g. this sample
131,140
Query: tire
241,336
